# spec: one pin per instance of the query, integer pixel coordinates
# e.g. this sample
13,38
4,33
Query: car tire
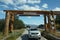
29,38
39,38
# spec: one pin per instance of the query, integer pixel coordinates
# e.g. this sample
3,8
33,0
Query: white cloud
27,7
7,1
37,6
29,17
27,1
20,1
5,6
33,1
56,9
34,23
15,8
24,7
2,12
15,2
45,5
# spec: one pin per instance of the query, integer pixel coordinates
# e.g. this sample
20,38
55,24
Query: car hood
34,31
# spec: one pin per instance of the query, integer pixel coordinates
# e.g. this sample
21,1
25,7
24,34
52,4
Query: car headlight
39,34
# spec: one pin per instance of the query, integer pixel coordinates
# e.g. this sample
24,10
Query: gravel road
24,36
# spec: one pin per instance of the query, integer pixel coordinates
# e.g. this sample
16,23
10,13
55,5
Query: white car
34,33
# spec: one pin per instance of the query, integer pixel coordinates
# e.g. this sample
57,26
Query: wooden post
54,23
6,24
12,22
45,23
49,25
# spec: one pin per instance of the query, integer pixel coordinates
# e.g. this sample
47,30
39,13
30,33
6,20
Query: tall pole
6,24
12,22
45,23
54,23
49,25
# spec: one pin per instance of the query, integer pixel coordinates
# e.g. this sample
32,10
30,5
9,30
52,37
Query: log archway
10,16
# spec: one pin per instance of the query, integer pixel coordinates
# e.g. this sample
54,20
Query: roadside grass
41,30
57,34
15,34
1,35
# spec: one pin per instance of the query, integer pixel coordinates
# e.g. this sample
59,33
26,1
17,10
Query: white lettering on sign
30,13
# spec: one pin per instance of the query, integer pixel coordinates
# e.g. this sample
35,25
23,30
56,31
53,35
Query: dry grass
57,34
41,30
16,34
1,35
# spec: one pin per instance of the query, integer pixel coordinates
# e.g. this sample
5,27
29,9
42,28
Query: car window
33,29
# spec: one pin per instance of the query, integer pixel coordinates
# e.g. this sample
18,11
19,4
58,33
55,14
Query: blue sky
29,5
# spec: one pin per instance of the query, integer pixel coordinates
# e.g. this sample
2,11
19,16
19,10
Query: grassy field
15,34
41,30
1,35
57,34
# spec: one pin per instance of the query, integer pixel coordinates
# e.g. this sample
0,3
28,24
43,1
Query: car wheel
39,38
29,38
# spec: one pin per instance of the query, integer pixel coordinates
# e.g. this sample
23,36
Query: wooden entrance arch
10,16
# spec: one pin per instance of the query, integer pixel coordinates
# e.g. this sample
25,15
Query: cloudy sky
29,5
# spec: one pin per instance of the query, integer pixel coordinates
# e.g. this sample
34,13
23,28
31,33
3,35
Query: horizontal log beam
22,11
36,11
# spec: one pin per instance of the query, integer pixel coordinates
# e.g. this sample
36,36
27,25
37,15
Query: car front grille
34,33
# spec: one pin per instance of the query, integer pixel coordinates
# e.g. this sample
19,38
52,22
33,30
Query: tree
28,26
18,23
57,21
41,26
2,24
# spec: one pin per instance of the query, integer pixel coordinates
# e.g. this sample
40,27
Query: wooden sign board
29,14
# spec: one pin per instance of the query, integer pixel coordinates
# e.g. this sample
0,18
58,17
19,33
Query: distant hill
32,25
35,26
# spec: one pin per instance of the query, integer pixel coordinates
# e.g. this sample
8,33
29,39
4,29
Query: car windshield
33,29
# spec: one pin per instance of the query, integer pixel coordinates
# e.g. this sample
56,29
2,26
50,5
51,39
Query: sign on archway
29,14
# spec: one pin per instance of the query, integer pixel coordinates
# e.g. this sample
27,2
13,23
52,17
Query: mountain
32,25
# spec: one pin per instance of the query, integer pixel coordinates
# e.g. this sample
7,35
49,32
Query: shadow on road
25,37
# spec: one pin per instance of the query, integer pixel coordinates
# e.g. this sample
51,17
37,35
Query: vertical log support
49,25
6,29
54,23
45,23
12,22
